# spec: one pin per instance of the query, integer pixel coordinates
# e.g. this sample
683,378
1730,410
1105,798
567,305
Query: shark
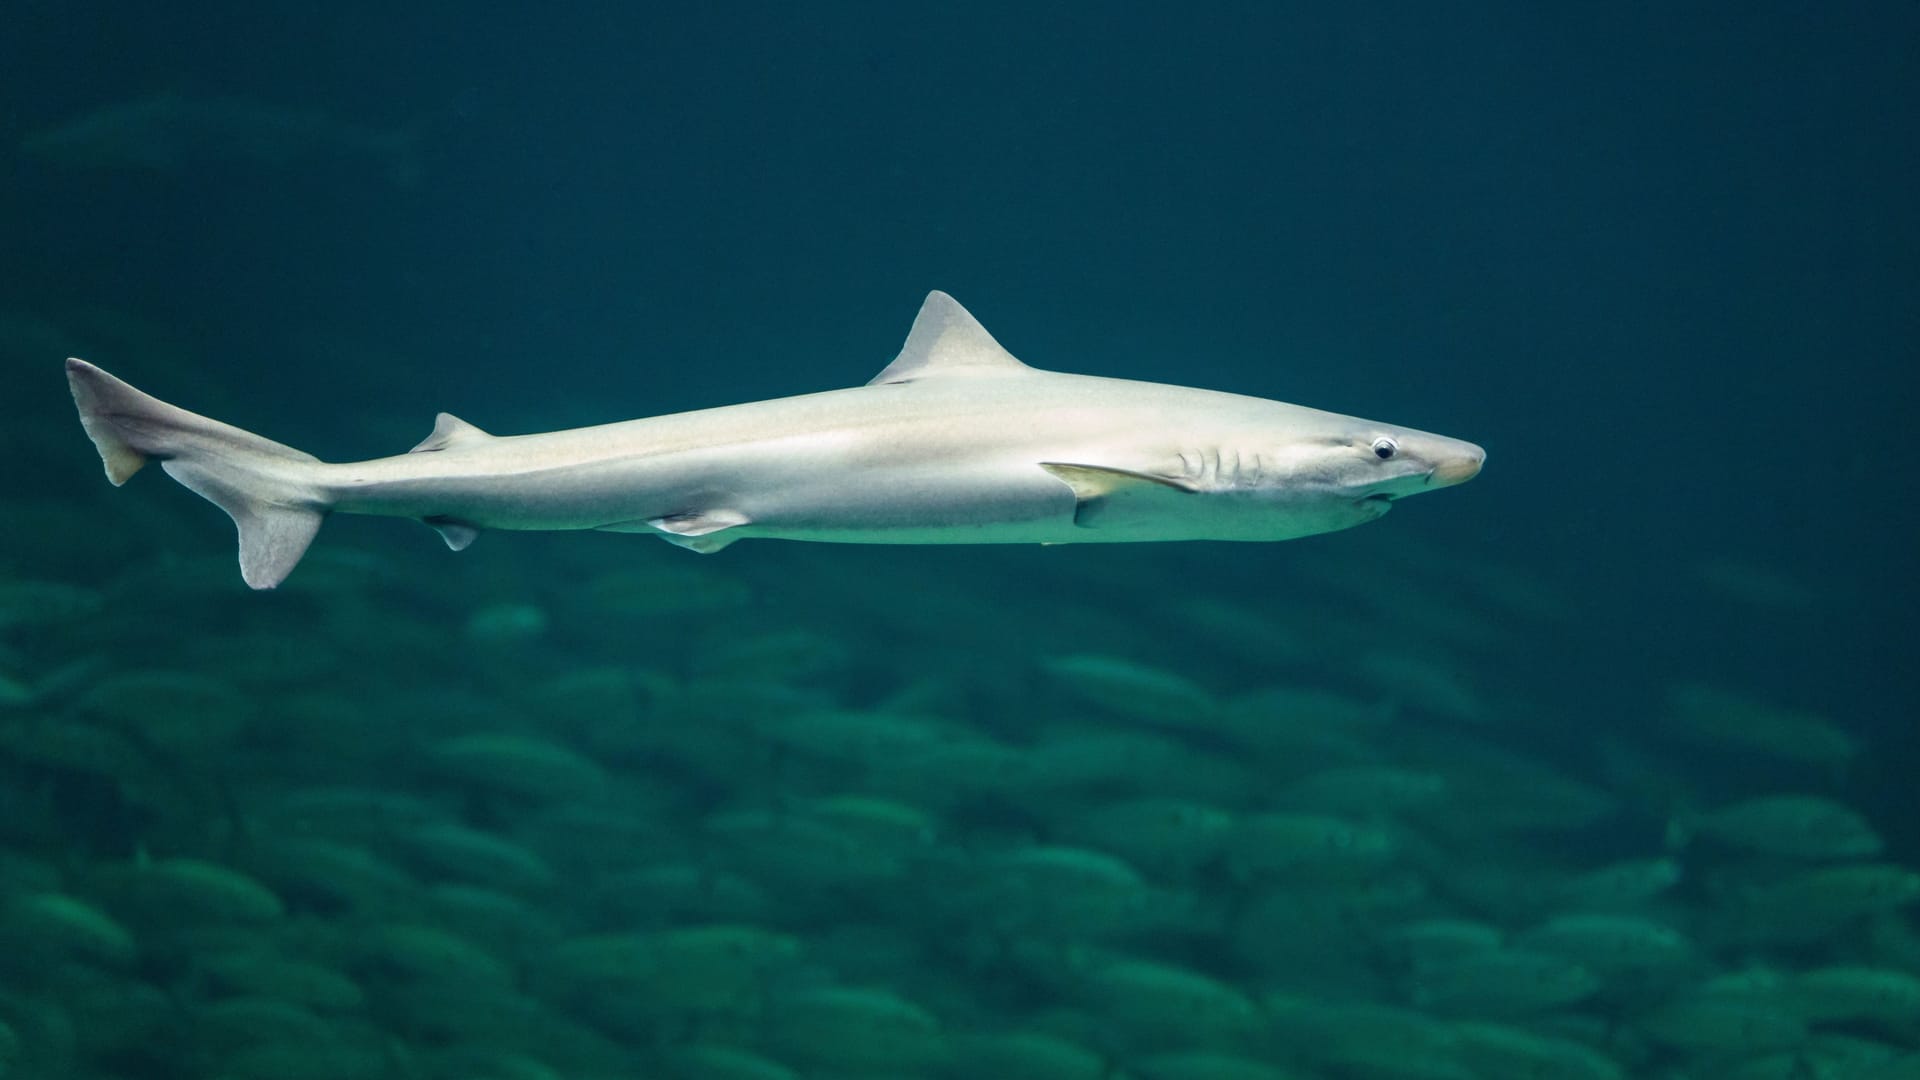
954,442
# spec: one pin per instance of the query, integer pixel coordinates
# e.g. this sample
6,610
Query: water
1389,802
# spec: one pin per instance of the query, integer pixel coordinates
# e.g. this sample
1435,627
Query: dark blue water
1663,263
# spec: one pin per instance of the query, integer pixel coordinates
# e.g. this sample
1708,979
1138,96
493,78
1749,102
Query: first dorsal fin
945,340
448,431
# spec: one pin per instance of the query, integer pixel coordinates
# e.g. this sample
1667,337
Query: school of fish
589,808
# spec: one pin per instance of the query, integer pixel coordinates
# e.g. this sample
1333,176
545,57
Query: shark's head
1340,471
1400,462
1372,465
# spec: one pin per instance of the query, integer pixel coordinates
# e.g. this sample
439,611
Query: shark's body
955,442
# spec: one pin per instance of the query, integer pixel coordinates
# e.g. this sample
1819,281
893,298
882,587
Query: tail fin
258,482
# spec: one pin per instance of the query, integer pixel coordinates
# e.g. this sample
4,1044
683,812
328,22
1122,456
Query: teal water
1597,766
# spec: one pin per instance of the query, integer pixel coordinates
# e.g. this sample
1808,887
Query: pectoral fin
1107,497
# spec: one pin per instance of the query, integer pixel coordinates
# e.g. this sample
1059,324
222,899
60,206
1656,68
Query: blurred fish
1761,588
1501,1052
1901,1067
351,813
1364,790
45,603
38,1036
127,1017
1159,835
720,1062
1429,684
867,739
1307,846
1841,1051
1134,690
518,765
21,873
13,692
880,825
1134,762
772,657
861,1030
1625,884
1309,725
263,972
1612,946
1814,904
655,592
506,622
283,662
1504,982
1727,1019
485,915
1497,788
1894,937
689,969
331,875
1205,1065
797,851
1799,826
1854,993
1708,715
234,1023
488,1063
57,926
1368,1040
186,712
1157,1001
181,135
167,892
304,1061
1439,941
1024,1055
677,892
428,953
476,857
474,1013
632,822
1280,930
1056,890
1253,636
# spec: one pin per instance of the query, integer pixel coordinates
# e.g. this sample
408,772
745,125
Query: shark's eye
1384,448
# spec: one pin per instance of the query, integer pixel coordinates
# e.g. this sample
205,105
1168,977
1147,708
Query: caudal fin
264,486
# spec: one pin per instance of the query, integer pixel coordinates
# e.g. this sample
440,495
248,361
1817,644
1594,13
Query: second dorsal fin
449,431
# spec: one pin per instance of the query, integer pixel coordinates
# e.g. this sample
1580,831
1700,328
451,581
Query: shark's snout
1458,469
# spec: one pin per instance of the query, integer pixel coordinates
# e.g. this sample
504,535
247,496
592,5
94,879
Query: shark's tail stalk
268,489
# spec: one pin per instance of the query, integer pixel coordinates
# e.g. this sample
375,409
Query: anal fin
457,534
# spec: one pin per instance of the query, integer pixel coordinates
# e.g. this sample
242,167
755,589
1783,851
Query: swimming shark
954,442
